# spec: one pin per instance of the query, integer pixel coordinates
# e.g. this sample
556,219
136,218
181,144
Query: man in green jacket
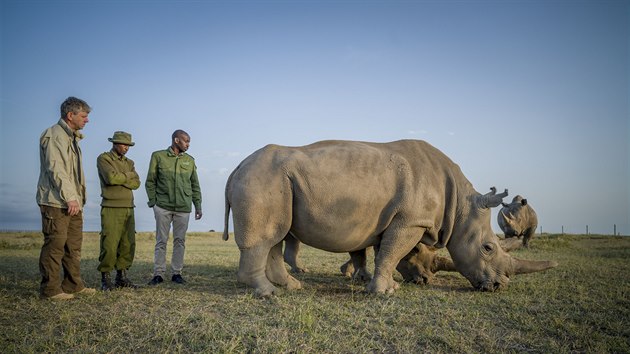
118,228
172,187
61,197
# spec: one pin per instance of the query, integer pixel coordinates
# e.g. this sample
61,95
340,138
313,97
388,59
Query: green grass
581,306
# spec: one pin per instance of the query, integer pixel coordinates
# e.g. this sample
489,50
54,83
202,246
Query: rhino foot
299,270
362,274
266,291
293,284
347,269
382,285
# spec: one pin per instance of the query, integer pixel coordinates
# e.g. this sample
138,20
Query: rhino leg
291,251
359,263
251,270
276,272
396,243
527,236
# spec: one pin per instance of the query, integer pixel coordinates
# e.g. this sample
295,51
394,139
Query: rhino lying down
345,196
518,219
418,266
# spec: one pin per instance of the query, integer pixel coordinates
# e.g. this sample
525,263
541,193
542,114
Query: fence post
587,229
615,229
563,229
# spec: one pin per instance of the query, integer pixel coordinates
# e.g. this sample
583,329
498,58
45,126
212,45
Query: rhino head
476,251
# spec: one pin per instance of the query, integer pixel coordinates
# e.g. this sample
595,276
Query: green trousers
118,239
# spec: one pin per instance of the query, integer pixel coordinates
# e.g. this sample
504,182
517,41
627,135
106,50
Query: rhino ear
491,199
524,201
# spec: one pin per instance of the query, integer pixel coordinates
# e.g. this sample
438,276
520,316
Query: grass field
583,305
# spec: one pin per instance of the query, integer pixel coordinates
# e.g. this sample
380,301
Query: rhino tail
226,222
226,235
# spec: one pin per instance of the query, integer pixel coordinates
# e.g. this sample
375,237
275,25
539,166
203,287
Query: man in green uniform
172,188
118,229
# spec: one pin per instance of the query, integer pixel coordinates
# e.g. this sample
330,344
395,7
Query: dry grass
581,306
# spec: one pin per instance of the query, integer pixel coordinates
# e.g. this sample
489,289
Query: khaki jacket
118,178
61,177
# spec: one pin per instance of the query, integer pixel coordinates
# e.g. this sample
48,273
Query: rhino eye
488,247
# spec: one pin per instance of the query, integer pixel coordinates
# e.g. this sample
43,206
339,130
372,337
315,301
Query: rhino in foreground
345,196
518,219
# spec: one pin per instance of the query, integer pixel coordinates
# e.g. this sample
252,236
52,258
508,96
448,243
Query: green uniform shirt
172,182
118,178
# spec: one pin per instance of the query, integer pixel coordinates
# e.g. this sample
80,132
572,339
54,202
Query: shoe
106,282
156,280
177,278
122,281
60,296
86,291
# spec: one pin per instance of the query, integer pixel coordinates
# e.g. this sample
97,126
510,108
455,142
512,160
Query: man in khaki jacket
61,196
119,178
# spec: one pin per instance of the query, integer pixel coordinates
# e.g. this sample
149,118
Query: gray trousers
163,220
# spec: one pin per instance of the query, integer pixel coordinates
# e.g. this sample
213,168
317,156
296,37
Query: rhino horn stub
491,199
523,266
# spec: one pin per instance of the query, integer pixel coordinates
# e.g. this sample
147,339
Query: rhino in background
518,219
345,196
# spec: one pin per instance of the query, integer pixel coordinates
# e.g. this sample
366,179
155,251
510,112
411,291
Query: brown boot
106,282
122,281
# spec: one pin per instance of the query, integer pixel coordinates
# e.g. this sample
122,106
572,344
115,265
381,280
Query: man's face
121,149
182,142
78,120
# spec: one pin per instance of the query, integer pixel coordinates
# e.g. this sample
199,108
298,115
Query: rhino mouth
490,286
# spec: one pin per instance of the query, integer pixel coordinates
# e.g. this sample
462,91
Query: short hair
178,133
74,105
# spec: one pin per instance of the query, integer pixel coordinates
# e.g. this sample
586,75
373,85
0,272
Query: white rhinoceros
345,196
518,219
418,266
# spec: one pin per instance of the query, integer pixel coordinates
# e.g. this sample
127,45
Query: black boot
106,282
122,281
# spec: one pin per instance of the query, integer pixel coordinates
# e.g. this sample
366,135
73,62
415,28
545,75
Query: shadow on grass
20,278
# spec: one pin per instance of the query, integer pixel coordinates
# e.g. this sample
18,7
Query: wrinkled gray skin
329,195
518,219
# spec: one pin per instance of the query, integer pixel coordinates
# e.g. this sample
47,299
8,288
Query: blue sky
532,96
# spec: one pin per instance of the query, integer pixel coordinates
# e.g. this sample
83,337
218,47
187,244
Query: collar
115,155
172,153
72,133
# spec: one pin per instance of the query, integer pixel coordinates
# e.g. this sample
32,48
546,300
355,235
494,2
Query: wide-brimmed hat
121,137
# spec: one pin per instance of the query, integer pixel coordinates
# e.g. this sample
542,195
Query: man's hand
73,208
198,215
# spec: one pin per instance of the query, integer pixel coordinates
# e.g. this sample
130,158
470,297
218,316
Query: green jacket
61,177
172,182
118,178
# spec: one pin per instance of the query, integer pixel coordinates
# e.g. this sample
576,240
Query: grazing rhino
518,219
345,196
418,266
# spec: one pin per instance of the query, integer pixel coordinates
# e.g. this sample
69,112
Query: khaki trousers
63,236
163,220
